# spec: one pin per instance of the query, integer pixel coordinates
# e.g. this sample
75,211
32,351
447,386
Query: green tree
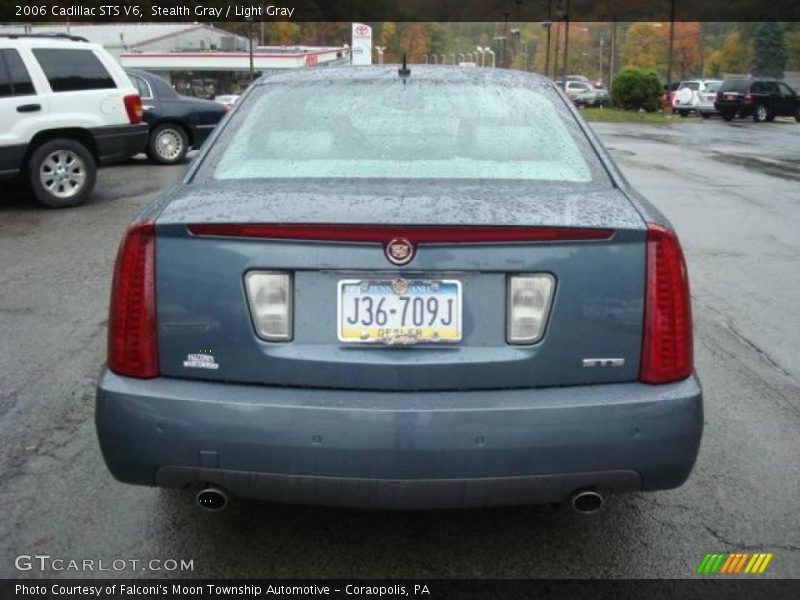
769,50
635,89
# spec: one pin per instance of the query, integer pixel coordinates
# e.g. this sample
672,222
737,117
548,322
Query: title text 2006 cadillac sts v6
401,288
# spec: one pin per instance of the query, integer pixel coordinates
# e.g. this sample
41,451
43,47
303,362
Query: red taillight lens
667,353
416,234
132,338
133,106
748,98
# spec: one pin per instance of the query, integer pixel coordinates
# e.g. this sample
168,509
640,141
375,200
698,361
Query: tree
793,42
769,50
415,43
686,54
635,89
734,56
646,45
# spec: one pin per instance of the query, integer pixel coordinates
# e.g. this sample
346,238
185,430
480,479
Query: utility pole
671,43
566,40
612,61
263,12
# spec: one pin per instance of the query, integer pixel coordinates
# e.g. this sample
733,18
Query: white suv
66,107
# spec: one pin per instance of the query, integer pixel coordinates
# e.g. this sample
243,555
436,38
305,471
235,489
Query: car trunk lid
206,329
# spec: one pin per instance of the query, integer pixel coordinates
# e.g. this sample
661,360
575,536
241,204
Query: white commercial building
198,59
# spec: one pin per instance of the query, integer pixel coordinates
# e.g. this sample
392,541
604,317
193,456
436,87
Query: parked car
762,99
668,97
573,89
592,97
66,108
581,78
401,302
688,96
706,99
177,123
227,100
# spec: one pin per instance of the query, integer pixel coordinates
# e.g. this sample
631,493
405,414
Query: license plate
399,311
730,96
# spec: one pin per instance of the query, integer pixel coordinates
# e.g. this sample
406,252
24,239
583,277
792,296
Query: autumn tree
734,56
646,46
415,43
686,54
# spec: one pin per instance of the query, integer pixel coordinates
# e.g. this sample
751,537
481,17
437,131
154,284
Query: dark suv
760,98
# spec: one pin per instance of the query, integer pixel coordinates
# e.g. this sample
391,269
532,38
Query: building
121,38
198,59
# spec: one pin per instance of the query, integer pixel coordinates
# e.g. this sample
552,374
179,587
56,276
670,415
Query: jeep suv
66,107
762,99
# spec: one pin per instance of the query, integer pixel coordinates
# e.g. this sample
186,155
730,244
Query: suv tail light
132,338
748,98
667,353
133,106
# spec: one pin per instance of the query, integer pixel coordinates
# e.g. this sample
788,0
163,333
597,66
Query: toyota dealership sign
362,44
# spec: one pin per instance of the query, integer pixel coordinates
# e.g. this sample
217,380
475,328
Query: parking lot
730,189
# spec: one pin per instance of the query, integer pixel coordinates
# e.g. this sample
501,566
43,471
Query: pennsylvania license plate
399,311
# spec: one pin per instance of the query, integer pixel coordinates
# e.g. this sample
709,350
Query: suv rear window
735,85
70,70
423,130
14,77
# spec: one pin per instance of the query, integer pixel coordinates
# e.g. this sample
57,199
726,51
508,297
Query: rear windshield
421,130
713,87
692,85
735,85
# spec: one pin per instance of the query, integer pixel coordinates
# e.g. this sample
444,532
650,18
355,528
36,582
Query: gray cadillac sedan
392,288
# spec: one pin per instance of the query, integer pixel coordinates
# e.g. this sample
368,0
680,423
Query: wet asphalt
733,193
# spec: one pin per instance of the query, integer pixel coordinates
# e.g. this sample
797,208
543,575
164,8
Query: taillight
416,234
529,298
132,338
133,106
269,295
748,98
667,353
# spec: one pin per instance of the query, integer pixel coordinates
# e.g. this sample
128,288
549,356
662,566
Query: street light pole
555,58
549,25
603,81
504,62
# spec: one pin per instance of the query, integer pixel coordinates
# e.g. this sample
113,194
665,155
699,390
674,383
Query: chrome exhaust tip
587,502
212,499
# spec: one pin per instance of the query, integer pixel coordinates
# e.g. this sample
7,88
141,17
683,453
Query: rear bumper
734,108
119,142
401,449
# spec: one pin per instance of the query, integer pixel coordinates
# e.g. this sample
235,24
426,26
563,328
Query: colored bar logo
734,563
